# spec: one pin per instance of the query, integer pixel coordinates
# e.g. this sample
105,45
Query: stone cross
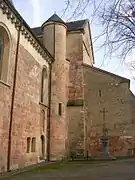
104,113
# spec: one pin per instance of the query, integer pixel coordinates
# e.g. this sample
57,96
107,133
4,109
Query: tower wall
49,37
55,41
75,108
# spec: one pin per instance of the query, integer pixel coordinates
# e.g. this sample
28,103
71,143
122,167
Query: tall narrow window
43,120
28,144
44,87
133,151
1,52
42,147
4,53
60,109
100,93
33,145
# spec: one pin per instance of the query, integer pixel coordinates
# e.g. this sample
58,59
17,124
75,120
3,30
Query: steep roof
76,25
37,31
71,26
55,18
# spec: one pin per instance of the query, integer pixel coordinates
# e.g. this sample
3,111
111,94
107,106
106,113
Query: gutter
12,100
49,102
49,113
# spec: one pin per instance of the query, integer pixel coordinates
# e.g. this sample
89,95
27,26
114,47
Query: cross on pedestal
104,138
104,111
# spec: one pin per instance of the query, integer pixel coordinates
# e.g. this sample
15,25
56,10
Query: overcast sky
35,12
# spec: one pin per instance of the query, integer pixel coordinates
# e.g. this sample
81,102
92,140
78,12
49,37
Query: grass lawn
68,165
64,167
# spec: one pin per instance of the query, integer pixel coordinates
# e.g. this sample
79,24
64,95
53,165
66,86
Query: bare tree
117,18
79,7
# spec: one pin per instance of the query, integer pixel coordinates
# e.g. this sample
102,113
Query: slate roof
37,31
55,18
76,25
71,26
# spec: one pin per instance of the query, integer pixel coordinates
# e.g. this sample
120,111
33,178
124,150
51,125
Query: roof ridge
77,21
104,71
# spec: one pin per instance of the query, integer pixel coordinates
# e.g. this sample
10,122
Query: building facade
53,101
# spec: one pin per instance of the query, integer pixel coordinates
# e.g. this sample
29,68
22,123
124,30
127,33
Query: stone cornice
16,19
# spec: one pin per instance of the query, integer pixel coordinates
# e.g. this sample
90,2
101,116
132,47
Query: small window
28,144
134,151
100,93
115,126
43,120
33,145
60,109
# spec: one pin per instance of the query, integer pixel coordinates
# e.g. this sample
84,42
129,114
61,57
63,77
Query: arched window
33,145
42,147
4,53
28,144
1,47
1,51
44,87
43,120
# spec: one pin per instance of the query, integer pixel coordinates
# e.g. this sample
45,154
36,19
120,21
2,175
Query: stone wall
75,126
104,90
5,93
5,106
75,115
75,56
27,110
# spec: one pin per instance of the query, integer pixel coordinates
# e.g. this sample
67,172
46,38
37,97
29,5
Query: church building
53,101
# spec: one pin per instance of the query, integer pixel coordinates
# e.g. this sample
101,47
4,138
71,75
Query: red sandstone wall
116,101
27,111
75,115
75,56
5,106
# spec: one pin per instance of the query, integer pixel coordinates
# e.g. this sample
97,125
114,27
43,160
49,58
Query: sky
36,12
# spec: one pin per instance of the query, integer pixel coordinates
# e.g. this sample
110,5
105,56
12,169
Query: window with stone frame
43,120
100,93
44,87
4,53
33,145
60,109
1,51
28,144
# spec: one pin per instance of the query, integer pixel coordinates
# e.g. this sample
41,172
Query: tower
54,39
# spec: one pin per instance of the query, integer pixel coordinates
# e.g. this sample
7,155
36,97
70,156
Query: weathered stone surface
114,96
27,110
81,91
